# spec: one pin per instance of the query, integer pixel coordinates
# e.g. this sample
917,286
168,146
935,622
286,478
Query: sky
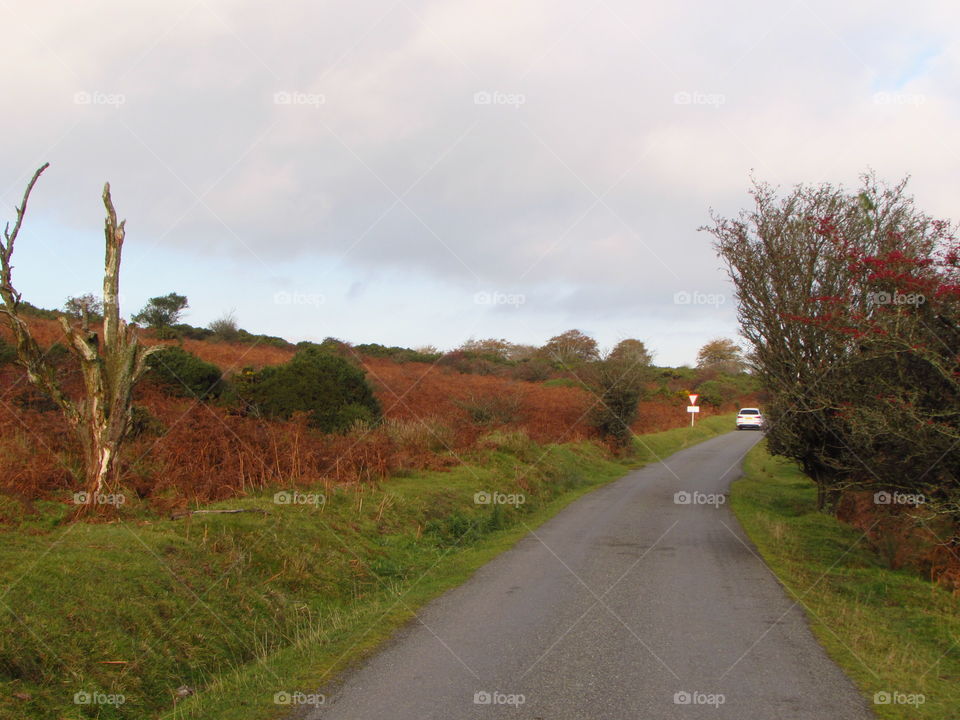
420,172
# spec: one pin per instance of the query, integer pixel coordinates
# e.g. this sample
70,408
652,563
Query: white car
749,418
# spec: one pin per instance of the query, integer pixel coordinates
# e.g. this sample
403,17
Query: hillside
189,451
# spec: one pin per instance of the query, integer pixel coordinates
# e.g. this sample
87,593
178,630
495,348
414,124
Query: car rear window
750,411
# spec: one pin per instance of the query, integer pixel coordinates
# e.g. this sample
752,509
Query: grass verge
219,616
894,633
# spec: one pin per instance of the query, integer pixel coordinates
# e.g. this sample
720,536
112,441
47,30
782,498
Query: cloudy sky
421,172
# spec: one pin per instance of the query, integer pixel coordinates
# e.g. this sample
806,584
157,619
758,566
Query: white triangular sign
693,398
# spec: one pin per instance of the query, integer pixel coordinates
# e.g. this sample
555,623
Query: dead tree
111,365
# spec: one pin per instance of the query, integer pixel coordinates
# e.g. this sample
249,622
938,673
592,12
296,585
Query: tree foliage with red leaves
852,304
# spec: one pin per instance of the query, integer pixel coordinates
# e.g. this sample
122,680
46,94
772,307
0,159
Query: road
627,604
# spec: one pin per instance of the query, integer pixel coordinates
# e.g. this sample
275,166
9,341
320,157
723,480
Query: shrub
8,353
620,384
183,330
184,374
499,409
398,354
532,370
332,392
162,312
225,327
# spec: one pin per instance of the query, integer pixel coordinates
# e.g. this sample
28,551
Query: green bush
397,354
8,353
184,374
332,392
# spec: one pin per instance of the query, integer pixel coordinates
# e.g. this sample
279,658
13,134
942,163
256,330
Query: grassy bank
895,634
231,609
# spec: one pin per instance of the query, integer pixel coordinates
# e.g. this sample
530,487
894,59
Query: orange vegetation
190,452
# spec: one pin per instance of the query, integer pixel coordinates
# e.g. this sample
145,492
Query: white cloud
597,181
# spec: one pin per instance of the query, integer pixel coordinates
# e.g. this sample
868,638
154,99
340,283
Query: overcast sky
421,172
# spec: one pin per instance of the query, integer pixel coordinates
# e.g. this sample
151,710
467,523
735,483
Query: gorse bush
184,374
332,392
8,353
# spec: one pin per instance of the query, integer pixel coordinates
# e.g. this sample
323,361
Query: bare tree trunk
110,367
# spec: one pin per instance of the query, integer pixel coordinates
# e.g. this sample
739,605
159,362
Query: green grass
890,630
240,607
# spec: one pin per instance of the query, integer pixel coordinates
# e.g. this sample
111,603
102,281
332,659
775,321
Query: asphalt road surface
627,604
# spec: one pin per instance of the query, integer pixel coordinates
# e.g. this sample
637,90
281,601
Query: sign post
693,408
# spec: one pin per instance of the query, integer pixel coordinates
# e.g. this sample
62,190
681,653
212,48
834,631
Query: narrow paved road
627,604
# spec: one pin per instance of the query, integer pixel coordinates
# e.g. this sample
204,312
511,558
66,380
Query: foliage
853,310
89,305
631,351
534,369
225,327
332,392
162,312
399,354
488,409
722,354
620,379
571,348
184,374
110,361
8,353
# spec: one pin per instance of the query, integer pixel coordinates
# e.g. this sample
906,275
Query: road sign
693,398
693,408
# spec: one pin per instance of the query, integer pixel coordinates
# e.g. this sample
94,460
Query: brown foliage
195,453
